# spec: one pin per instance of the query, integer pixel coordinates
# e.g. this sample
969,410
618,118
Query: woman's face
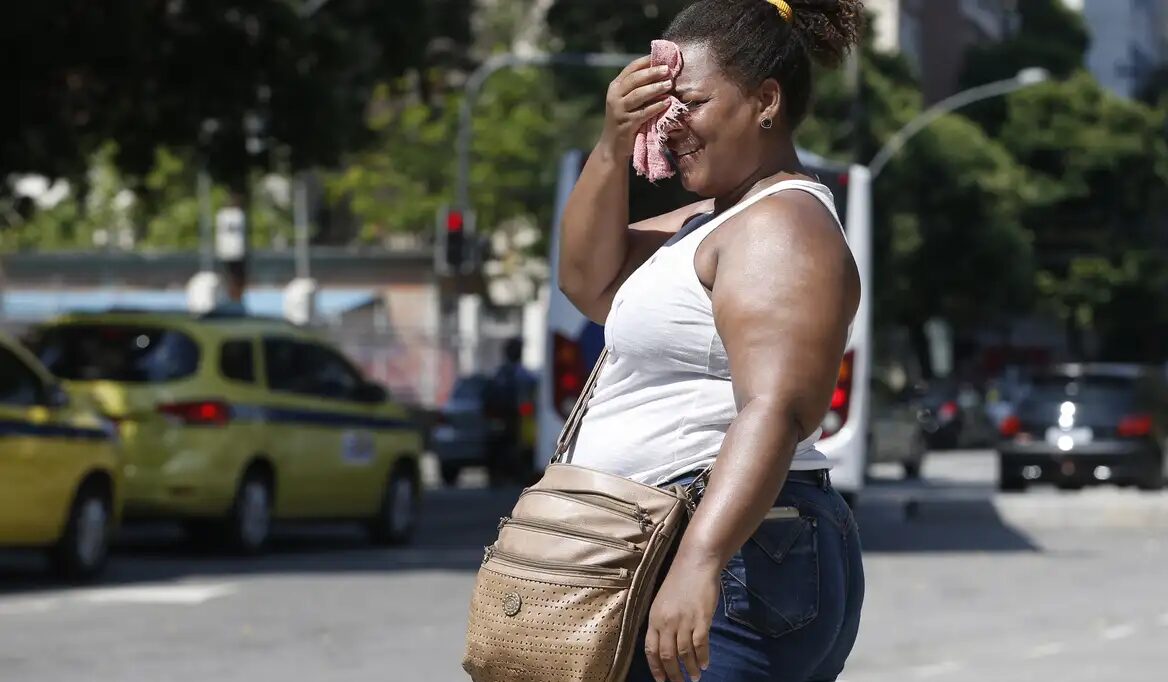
720,142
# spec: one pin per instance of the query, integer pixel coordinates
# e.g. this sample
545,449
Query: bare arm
598,247
785,291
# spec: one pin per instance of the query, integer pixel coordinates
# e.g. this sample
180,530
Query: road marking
1118,632
180,595
1048,649
936,669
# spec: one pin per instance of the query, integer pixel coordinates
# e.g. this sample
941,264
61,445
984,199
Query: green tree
1049,36
1098,165
520,128
151,73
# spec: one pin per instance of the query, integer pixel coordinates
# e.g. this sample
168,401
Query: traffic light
454,240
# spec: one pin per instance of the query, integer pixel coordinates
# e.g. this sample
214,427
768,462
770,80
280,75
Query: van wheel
397,517
249,525
83,549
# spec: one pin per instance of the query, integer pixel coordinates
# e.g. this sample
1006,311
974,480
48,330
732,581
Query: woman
726,321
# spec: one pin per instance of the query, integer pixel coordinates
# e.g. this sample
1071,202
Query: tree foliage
153,73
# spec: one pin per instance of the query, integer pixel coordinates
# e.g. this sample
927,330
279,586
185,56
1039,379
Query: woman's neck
784,161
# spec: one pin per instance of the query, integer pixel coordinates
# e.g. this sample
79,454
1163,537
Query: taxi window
19,385
115,352
237,361
309,369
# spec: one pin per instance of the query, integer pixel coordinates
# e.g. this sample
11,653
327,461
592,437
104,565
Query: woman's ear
770,100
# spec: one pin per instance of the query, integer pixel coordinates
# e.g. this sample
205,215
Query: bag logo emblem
512,603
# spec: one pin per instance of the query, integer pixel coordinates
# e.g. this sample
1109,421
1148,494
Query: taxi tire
384,529
234,531
67,556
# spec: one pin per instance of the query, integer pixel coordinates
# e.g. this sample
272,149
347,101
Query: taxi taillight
198,413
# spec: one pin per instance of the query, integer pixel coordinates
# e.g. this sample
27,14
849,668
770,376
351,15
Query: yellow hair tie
784,9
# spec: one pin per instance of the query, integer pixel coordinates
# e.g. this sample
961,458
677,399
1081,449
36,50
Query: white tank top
663,400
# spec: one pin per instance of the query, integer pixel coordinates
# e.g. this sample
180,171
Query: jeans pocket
771,585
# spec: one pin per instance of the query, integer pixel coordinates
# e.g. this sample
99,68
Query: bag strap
576,416
572,423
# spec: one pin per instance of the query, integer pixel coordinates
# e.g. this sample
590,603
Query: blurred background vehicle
229,422
1080,424
900,428
459,435
60,483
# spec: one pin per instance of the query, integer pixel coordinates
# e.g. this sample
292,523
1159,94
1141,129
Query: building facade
935,34
1129,41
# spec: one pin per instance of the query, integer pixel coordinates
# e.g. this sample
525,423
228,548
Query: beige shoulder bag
563,592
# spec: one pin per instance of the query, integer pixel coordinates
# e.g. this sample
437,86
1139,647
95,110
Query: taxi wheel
249,524
82,551
398,514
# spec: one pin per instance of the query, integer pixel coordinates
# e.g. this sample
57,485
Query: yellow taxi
230,422
59,468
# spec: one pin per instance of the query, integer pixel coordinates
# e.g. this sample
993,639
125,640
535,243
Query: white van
574,342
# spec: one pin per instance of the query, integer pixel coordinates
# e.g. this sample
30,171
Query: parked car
900,425
1088,423
229,422
60,485
460,434
472,429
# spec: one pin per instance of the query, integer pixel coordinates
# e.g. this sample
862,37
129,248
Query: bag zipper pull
643,519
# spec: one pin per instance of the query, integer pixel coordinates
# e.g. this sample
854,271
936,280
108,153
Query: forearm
594,237
751,470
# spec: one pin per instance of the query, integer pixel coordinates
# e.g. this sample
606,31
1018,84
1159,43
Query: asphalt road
962,585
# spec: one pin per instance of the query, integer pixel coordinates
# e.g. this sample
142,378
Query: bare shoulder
789,243
791,228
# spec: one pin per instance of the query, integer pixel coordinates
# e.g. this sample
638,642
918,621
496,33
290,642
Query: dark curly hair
752,41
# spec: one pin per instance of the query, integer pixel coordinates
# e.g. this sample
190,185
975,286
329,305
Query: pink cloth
649,157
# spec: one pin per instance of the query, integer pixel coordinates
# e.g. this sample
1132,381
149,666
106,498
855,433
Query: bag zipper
570,531
631,511
491,553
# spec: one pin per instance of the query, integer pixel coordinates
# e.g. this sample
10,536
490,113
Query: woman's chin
692,182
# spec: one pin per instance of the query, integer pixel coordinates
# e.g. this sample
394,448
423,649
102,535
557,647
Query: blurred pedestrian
509,397
726,322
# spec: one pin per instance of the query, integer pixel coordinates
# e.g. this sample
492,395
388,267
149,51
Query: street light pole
1025,79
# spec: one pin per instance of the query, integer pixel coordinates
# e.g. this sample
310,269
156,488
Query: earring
767,123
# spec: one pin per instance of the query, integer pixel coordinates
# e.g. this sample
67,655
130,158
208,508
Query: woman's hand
637,95
679,622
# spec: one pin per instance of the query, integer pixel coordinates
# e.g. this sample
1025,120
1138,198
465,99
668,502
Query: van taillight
841,397
198,413
1135,426
567,373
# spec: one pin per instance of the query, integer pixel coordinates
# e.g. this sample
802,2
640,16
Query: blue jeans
789,609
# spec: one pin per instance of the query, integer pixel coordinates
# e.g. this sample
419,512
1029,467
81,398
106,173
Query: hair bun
828,28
